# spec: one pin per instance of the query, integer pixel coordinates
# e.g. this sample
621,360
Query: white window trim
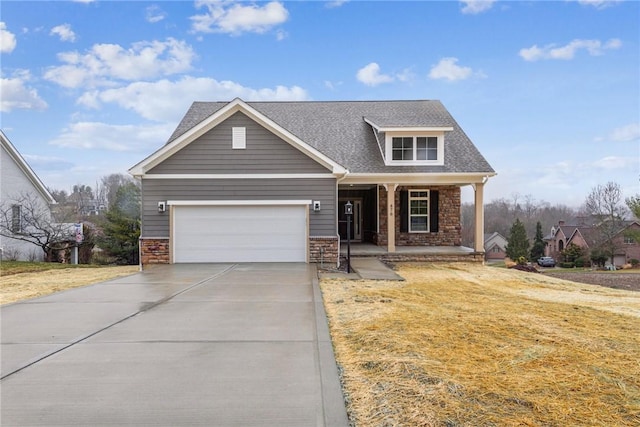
428,216
239,138
389,149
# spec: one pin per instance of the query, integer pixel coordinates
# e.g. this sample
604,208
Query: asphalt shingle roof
338,130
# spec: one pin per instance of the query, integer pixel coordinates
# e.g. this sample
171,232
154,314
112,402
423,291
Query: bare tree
604,204
108,187
27,218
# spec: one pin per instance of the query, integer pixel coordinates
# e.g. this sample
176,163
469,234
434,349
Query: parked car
546,261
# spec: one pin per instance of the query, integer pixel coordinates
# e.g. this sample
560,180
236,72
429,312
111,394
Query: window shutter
404,211
433,211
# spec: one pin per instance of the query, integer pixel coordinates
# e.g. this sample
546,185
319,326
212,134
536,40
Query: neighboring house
585,236
495,246
18,180
268,181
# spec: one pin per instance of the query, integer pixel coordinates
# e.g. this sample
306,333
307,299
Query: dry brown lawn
467,345
21,286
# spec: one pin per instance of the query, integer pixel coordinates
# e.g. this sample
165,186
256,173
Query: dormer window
410,145
419,148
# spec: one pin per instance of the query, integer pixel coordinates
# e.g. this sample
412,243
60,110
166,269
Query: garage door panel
240,233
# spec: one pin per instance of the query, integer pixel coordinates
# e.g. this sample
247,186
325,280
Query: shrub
634,262
567,265
582,262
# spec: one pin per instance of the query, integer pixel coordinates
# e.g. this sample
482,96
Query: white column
391,217
479,209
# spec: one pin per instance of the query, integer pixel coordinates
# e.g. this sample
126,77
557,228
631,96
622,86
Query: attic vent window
239,138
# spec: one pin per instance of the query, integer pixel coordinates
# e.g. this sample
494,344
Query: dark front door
356,220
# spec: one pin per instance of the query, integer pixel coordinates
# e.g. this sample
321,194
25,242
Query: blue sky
549,91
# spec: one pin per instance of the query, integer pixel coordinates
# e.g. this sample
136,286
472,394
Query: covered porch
416,217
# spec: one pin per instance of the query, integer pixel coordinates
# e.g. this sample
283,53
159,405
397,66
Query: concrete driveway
191,344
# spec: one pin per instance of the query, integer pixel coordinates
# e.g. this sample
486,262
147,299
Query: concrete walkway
210,345
373,269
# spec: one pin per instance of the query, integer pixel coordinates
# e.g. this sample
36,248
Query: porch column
479,209
391,217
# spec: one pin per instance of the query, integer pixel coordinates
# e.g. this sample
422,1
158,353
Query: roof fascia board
26,169
417,178
409,128
218,117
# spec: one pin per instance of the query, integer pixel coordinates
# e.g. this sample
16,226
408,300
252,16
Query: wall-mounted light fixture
316,205
162,206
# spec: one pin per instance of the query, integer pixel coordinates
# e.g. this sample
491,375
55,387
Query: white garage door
263,233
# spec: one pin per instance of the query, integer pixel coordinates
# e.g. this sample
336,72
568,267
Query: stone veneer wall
471,257
449,228
324,249
154,251
321,249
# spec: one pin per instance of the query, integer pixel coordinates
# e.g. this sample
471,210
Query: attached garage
239,231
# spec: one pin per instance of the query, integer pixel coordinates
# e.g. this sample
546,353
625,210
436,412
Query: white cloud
154,14
106,62
335,3
65,33
614,163
473,7
550,51
171,99
598,4
232,17
370,75
626,133
47,163
102,136
7,39
447,69
17,95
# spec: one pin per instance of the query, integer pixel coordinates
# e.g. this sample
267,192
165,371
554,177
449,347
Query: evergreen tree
537,250
517,242
121,227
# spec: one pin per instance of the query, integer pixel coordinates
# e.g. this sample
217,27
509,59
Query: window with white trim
415,149
418,211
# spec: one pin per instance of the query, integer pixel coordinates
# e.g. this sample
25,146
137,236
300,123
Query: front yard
467,345
23,280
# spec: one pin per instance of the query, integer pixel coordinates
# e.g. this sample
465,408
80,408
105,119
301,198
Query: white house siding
14,183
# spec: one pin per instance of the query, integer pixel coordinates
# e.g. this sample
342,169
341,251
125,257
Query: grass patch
462,345
17,267
24,280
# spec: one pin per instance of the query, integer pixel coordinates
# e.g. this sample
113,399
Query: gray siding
321,223
265,153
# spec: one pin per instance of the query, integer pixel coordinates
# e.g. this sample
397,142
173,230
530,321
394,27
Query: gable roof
344,132
25,168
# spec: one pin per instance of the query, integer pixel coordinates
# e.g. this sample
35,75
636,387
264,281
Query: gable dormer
411,145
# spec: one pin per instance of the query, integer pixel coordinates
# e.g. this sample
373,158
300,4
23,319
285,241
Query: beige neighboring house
495,246
16,180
